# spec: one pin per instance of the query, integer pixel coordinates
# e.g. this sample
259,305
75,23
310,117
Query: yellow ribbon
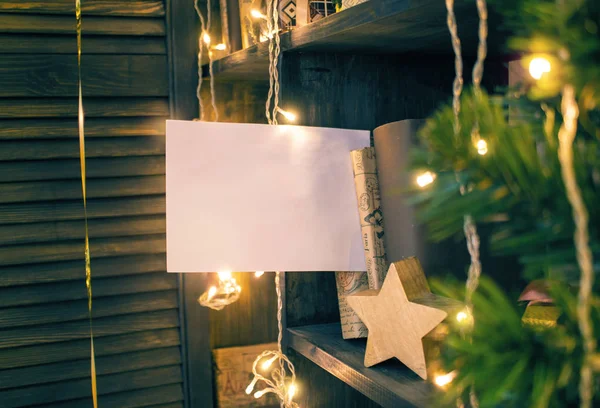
88,266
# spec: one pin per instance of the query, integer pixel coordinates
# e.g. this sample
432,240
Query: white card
248,197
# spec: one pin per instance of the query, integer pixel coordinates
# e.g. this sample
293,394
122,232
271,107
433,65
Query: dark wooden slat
73,210
107,384
80,349
69,230
94,107
67,169
95,147
21,377
134,399
66,251
63,312
49,24
171,405
74,290
390,384
94,127
73,270
70,190
144,8
103,75
108,326
63,44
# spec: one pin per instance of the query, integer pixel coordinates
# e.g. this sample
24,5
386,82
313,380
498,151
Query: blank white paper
248,197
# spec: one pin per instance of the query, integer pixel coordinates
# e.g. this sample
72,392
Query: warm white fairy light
538,67
257,14
258,274
206,38
441,380
220,47
291,117
482,147
461,316
226,293
426,178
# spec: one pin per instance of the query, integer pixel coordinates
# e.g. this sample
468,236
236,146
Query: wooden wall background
44,346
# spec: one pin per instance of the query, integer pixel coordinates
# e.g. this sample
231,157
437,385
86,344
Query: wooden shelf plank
390,384
373,27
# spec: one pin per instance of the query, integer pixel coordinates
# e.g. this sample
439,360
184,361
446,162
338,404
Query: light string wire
88,263
226,293
566,137
205,26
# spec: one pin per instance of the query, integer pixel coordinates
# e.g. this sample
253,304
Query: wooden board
389,384
155,8
51,75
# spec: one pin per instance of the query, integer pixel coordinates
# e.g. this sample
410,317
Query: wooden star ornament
396,322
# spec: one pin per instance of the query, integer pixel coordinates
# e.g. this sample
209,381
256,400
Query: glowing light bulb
291,392
538,67
238,288
220,47
250,386
258,274
267,364
482,147
260,393
442,380
426,178
461,316
206,38
288,115
224,275
211,292
257,14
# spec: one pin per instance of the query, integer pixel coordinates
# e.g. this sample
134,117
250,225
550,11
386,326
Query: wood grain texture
55,24
104,75
108,326
143,8
390,384
66,251
72,270
61,44
107,384
69,169
80,349
40,129
71,291
311,298
70,190
44,107
48,373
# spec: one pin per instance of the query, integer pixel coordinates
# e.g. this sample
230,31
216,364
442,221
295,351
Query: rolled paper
348,283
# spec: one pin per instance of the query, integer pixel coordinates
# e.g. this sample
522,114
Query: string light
258,274
206,38
220,47
226,293
482,147
257,14
426,178
291,117
461,316
441,380
538,67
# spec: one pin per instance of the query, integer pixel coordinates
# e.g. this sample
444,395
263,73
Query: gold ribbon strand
88,266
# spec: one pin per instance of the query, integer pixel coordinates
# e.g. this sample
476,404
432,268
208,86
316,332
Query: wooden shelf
389,384
373,27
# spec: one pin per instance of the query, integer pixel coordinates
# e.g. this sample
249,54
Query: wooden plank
69,230
141,398
74,290
66,251
32,274
107,384
80,349
94,147
61,44
71,311
21,377
94,107
103,75
54,24
109,326
73,210
69,169
390,384
71,190
170,405
20,129
145,8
